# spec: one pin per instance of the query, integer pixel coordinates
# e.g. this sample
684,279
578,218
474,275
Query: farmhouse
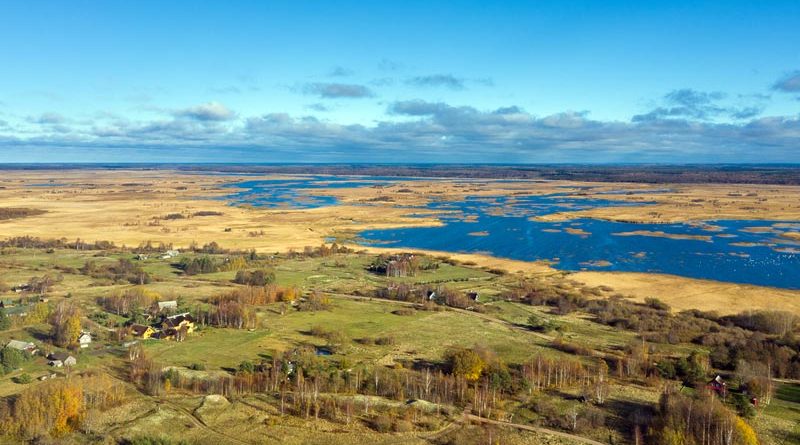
85,339
142,331
718,386
59,359
166,334
21,288
12,307
22,346
184,320
169,305
169,254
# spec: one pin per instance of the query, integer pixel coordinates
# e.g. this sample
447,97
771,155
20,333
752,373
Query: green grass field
416,335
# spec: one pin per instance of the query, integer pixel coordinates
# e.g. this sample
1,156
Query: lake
731,250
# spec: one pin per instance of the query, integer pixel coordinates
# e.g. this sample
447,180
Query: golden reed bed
133,206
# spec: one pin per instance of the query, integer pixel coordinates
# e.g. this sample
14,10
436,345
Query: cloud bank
338,90
684,125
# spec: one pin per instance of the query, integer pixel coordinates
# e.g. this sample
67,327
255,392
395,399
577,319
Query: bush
5,322
198,265
11,359
542,324
403,426
382,423
23,379
404,311
657,304
258,277
247,367
743,406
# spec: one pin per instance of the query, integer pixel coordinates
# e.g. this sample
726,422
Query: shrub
207,213
23,379
198,265
657,304
404,311
382,423
542,324
247,367
258,277
403,426
11,359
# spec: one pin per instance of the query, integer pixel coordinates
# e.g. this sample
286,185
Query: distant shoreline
778,174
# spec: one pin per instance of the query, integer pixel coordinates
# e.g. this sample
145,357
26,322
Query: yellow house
180,321
142,331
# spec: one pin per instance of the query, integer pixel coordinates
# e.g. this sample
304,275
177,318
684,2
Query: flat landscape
382,223
300,307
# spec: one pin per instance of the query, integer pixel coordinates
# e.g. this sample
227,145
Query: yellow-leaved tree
66,322
68,404
745,432
466,363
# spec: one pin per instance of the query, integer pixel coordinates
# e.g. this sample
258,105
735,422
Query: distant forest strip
784,174
723,174
18,212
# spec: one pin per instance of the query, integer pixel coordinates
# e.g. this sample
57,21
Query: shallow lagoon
736,251
288,193
718,250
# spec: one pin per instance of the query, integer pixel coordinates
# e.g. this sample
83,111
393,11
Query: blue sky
529,82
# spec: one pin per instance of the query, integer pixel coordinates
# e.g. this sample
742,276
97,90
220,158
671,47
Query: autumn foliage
57,407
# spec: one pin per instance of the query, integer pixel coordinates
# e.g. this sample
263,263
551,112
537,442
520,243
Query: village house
142,331
23,346
85,339
169,254
169,305
184,320
21,288
60,359
718,386
12,307
166,334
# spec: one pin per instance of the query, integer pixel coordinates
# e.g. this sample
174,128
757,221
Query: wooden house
85,339
180,321
59,359
142,331
169,306
24,346
718,386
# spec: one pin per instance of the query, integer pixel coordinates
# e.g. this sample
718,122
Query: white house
169,254
59,359
171,305
85,339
